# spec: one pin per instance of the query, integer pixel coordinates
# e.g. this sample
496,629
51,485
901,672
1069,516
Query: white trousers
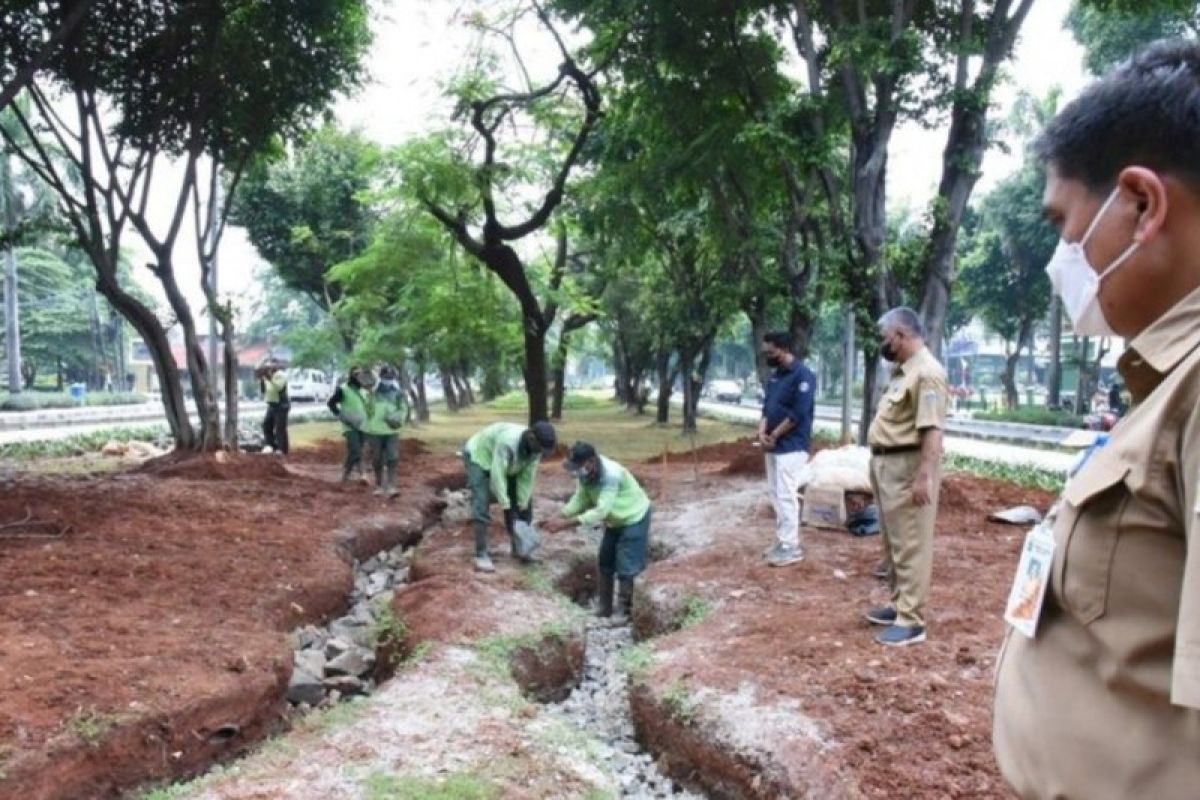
786,473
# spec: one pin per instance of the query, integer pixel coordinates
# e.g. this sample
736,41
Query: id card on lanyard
1028,592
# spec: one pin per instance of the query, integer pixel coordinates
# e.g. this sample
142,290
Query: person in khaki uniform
1102,698
906,457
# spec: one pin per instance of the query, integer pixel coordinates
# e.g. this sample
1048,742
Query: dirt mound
219,466
749,464
333,451
157,626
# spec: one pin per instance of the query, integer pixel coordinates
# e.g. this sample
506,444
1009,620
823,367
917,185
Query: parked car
724,391
308,384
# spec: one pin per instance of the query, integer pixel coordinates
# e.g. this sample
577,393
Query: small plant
90,725
680,703
381,786
387,630
535,579
637,660
695,610
418,654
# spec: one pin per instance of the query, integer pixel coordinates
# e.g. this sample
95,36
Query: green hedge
1033,416
37,401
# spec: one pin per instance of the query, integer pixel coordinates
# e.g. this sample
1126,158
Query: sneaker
378,492
781,555
483,563
883,571
901,636
884,615
390,493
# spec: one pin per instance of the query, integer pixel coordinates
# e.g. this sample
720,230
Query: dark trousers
275,431
354,452
479,481
623,550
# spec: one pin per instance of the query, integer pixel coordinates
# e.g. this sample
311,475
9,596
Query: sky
420,44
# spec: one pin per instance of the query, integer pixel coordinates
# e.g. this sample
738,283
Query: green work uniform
274,427
497,469
383,438
353,401
615,498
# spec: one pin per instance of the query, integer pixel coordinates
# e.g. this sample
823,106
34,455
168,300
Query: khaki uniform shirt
917,397
1102,703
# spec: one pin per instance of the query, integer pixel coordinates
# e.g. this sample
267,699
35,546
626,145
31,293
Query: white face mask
1077,283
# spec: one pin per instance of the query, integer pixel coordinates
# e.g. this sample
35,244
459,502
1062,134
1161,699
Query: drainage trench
599,706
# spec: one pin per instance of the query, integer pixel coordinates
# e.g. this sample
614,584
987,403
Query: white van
308,384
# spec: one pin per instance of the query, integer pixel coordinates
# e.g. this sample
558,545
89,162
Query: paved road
962,445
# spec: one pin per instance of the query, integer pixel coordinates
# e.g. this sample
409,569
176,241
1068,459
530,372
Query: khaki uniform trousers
907,531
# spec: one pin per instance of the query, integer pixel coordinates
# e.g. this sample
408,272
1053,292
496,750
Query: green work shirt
355,401
275,386
496,450
615,499
385,403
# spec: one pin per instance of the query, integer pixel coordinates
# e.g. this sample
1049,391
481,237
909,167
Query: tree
207,84
567,108
310,210
988,37
1111,30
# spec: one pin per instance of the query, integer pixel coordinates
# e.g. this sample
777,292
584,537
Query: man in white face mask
1098,683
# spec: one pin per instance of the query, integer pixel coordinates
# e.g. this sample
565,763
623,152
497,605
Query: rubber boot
389,480
625,597
379,480
345,475
481,538
604,595
510,522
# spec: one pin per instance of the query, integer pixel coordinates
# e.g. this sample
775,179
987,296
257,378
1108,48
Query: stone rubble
600,707
337,662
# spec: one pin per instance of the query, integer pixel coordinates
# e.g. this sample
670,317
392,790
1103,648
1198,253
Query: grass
637,660
680,702
1020,474
37,401
587,416
90,725
80,443
387,630
695,610
382,786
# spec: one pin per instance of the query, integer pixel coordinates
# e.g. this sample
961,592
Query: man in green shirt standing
382,430
273,382
501,462
353,403
608,493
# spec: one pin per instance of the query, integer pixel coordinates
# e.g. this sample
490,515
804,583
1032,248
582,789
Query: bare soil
781,671
150,639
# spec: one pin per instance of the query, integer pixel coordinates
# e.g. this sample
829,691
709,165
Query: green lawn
587,416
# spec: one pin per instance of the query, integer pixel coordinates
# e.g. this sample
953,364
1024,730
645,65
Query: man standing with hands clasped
784,433
906,471
1098,695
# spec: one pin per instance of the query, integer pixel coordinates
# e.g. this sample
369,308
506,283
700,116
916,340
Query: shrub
1031,415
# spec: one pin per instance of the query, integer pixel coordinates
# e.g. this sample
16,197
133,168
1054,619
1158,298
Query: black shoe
901,636
884,615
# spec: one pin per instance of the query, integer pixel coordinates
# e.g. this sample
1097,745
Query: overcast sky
419,44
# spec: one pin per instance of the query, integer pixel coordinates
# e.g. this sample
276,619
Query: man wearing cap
607,492
906,471
1098,696
501,462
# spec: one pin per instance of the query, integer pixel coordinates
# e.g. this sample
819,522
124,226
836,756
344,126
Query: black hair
781,339
1144,112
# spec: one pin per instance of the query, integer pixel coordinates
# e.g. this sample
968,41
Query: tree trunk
203,394
560,377
28,373
422,397
690,402
870,371
231,384
535,371
58,374
1054,378
451,396
1009,379
12,324
757,316
666,381
620,379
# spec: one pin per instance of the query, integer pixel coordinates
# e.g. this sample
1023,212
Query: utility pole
848,378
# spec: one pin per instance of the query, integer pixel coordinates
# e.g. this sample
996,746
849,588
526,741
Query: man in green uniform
501,462
382,430
906,471
1098,695
273,382
608,493
353,403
